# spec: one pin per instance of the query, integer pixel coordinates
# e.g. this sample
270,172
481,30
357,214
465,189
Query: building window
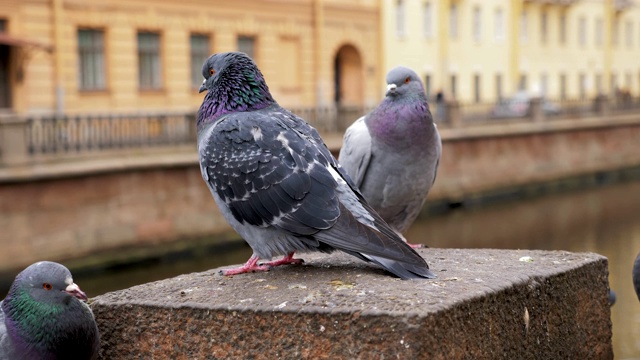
149,65
476,88
522,84
523,26
400,16
582,31
543,26
453,21
563,86
598,81
454,84
3,25
599,31
477,24
614,83
582,82
247,45
563,28
427,21
499,25
615,27
543,84
627,81
427,85
91,57
199,53
499,86
629,33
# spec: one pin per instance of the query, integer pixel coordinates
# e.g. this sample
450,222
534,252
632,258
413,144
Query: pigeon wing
355,153
269,175
7,350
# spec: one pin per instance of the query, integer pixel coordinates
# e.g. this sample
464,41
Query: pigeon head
402,80
45,314
49,282
234,84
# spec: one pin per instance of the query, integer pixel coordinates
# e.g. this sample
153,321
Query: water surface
605,220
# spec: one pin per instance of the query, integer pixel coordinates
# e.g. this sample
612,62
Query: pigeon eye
212,72
407,80
47,286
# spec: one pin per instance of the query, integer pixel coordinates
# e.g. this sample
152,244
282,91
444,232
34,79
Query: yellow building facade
80,56
483,50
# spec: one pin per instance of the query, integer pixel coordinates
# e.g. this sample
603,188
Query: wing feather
355,153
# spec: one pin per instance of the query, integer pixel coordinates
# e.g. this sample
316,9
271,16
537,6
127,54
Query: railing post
452,113
601,105
13,140
536,112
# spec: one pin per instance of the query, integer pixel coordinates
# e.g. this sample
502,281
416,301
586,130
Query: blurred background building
485,50
121,56
73,56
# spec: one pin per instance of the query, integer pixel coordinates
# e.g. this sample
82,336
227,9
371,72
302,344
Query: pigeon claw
415,246
244,269
250,266
287,260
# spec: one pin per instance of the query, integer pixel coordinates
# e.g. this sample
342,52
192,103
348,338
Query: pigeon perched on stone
392,153
44,316
276,182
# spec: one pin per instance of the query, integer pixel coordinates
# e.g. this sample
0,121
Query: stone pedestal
485,304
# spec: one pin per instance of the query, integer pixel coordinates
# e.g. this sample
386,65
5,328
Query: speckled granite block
485,304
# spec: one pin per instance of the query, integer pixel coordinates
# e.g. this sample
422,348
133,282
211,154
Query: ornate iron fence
79,133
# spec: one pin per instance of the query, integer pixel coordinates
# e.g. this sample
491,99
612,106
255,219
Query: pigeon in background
276,182
45,316
392,153
636,275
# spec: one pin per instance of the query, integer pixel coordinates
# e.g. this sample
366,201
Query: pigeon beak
74,290
202,87
391,88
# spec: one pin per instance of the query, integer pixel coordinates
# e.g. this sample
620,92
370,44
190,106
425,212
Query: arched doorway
348,80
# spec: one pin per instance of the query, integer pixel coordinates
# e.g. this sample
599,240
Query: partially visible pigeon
612,298
276,182
636,275
44,316
392,153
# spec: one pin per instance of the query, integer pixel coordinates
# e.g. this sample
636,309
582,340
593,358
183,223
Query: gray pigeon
635,274
276,182
392,153
44,316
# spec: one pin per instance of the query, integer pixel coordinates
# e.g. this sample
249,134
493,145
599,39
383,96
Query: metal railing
86,133
458,114
25,139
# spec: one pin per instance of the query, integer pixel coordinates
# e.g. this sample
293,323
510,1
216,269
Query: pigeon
276,182
392,153
44,316
612,298
636,275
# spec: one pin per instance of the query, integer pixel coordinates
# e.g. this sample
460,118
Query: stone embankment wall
61,211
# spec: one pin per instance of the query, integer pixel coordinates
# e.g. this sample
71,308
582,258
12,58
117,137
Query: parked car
518,106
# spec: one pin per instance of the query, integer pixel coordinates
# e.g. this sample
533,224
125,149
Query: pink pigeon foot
288,259
250,266
413,246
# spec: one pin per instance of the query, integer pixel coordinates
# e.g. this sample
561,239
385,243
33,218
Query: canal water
604,219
